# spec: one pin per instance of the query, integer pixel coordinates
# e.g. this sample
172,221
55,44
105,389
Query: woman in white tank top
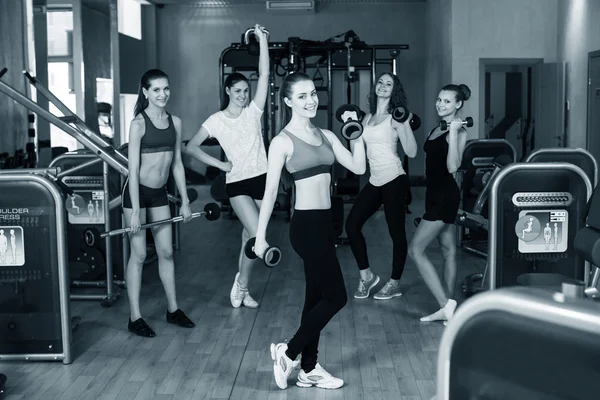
388,185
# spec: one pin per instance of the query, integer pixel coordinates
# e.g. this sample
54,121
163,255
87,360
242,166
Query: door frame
490,64
591,54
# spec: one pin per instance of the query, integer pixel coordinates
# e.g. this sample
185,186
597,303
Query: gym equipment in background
474,173
93,142
521,343
534,215
35,313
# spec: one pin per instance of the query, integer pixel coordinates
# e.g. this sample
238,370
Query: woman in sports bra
238,129
308,153
444,151
154,148
388,185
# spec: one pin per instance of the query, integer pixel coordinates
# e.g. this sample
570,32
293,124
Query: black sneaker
140,328
179,318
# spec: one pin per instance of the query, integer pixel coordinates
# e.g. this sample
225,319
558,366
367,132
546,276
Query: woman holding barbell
237,127
444,149
308,153
154,147
388,185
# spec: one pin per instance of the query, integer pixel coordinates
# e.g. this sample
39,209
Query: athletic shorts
253,187
149,197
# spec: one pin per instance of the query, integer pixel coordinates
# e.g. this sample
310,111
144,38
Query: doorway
510,107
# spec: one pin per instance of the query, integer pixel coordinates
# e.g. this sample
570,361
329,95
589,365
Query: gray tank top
308,160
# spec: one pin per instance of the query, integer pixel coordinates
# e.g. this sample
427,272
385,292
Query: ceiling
234,2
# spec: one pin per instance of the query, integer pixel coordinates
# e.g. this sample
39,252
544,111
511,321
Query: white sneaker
282,364
239,296
249,301
320,378
443,314
237,293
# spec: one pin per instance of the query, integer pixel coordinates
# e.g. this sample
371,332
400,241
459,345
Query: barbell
91,236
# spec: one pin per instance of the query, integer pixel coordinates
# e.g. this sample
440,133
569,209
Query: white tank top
382,152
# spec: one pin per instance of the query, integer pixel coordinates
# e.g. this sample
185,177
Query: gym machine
544,338
95,184
35,314
586,161
521,343
581,158
103,152
534,215
341,53
472,177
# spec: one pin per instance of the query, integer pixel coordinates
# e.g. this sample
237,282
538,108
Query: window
60,34
60,71
58,83
130,18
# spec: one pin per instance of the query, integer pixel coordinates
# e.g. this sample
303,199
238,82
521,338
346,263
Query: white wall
579,34
498,29
438,64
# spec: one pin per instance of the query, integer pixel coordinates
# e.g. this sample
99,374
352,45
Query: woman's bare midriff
313,193
154,169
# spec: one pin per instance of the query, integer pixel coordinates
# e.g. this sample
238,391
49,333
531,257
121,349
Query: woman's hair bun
466,91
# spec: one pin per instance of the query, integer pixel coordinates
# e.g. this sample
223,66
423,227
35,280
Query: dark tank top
436,150
157,140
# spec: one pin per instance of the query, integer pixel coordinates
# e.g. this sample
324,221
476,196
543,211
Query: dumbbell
250,41
467,122
401,114
92,237
351,129
271,257
246,36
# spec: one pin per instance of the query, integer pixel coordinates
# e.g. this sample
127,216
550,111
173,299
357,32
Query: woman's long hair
286,90
145,83
285,114
397,99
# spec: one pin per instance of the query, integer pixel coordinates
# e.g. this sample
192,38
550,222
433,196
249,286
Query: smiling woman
308,153
238,129
444,148
154,147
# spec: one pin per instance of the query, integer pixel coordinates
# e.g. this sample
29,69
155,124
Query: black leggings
311,235
393,196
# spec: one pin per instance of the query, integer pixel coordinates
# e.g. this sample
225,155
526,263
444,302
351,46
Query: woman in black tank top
443,157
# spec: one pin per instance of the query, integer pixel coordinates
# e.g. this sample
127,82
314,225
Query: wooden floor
379,348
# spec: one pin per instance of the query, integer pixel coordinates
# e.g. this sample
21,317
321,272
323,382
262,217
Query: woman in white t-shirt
388,185
237,127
